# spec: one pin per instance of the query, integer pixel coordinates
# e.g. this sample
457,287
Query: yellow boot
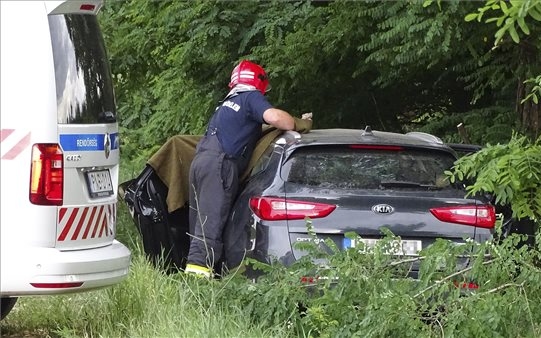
198,270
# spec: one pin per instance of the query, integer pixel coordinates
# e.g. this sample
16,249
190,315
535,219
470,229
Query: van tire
6,304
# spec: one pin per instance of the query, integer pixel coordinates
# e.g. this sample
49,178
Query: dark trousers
214,180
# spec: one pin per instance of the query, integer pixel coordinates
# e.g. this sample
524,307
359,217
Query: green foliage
410,38
511,172
357,292
351,63
535,93
510,18
363,292
168,71
483,126
520,21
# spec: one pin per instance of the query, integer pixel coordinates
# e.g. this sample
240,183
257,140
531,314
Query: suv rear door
374,187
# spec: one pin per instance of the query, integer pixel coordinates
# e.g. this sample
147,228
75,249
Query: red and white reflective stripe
13,142
88,222
247,74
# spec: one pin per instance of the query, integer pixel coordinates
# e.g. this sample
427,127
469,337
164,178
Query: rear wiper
408,184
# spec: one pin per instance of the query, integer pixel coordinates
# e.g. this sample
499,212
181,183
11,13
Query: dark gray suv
341,180
359,181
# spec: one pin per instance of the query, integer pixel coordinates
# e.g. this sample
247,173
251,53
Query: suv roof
366,136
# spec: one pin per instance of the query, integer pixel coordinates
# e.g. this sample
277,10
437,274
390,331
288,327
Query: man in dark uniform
221,157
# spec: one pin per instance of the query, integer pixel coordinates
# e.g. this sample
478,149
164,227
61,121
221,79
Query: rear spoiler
464,149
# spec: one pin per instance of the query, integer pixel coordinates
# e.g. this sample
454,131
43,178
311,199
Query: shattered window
347,168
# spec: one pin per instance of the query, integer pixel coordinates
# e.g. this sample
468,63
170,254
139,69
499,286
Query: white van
59,153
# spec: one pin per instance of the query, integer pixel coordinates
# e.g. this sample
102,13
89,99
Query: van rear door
87,128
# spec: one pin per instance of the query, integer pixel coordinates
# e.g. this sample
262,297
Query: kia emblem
383,209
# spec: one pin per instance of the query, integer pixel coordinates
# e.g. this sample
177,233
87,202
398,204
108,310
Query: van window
84,88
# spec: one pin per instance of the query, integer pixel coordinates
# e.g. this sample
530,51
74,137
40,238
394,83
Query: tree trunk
528,112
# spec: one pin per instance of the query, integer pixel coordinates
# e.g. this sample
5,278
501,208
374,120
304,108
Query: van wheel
6,304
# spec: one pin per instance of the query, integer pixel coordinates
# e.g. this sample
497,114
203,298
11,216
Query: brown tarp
172,161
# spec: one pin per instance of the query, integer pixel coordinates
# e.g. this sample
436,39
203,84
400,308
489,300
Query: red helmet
250,73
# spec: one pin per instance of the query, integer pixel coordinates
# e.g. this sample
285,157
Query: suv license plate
99,183
405,247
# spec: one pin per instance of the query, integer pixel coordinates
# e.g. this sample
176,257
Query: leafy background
393,65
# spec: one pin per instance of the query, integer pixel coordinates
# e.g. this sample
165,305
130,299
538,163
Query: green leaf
535,13
471,17
523,26
427,3
480,16
499,34
516,3
513,33
504,7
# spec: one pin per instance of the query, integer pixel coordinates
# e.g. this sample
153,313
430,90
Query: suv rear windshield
84,88
347,168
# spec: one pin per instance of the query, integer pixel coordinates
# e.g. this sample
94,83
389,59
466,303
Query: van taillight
276,209
47,174
483,216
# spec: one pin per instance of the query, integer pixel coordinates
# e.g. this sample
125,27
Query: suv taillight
277,209
47,174
483,216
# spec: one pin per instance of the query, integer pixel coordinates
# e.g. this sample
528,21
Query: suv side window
263,161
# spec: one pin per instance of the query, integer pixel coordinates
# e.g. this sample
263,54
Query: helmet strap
240,88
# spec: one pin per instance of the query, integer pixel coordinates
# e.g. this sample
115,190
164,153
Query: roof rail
425,137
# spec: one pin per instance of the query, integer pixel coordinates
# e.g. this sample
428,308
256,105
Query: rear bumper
275,243
95,268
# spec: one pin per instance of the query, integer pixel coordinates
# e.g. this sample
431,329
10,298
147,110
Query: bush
352,293
365,294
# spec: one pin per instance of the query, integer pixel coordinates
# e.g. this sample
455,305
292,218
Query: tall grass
365,302
148,303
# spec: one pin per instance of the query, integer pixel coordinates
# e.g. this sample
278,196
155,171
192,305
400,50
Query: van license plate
99,183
